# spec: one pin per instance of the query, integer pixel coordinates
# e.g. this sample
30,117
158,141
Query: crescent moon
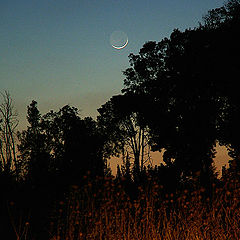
123,46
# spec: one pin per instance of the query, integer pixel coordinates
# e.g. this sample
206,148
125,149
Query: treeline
180,96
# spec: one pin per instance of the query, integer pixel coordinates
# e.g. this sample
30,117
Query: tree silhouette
179,80
8,124
124,129
189,86
9,166
34,155
76,144
34,148
178,108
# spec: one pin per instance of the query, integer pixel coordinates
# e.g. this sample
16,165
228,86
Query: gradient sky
57,52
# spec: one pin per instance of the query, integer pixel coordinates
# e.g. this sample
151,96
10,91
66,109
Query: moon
119,40
126,43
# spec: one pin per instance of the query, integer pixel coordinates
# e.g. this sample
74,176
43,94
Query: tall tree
34,147
124,129
173,111
8,124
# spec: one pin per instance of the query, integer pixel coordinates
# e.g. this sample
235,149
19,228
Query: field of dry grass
108,213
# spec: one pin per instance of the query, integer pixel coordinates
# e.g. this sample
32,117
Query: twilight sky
58,52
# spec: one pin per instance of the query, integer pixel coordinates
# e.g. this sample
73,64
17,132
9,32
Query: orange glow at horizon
221,159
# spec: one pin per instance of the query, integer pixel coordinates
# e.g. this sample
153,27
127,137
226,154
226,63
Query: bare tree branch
8,124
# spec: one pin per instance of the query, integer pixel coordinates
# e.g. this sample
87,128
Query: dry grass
108,213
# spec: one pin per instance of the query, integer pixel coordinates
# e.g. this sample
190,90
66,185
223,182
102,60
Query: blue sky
57,52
